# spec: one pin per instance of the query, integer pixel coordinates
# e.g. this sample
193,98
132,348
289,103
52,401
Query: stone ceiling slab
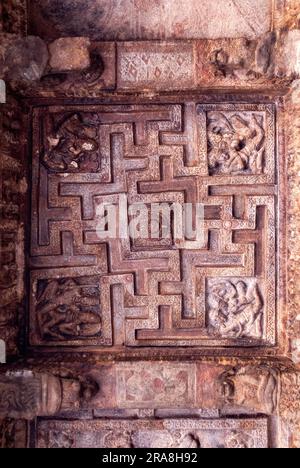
152,19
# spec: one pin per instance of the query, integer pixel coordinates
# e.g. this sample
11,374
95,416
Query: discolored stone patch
68,54
148,20
25,60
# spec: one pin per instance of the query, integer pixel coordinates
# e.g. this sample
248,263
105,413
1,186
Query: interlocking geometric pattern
116,292
165,64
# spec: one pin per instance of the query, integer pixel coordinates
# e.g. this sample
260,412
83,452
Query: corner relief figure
235,308
254,389
68,310
235,144
72,146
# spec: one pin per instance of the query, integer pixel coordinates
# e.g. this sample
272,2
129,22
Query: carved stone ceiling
217,291
152,19
166,338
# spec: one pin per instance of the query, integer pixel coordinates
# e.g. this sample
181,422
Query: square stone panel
68,312
217,291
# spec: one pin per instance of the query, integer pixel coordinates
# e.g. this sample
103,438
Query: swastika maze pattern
90,291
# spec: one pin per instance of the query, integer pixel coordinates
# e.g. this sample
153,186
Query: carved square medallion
216,290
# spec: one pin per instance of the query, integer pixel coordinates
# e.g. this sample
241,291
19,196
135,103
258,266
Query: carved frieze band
182,433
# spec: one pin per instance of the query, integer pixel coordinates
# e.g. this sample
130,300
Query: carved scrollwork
176,433
235,143
235,308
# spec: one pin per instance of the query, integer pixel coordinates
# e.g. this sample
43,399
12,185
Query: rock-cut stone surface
150,19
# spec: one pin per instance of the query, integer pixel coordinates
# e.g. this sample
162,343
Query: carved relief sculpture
247,388
176,433
236,143
154,292
235,308
68,309
26,395
157,340
12,202
72,146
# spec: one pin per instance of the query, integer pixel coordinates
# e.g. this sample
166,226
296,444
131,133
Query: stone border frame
276,101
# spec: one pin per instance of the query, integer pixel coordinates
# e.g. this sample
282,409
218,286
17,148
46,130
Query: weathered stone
286,15
180,387
265,54
188,309
288,54
152,19
69,54
162,66
173,433
292,126
289,410
90,82
25,60
250,389
225,61
107,52
156,66
13,434
12,200
13,16
93,300
156,386
26,395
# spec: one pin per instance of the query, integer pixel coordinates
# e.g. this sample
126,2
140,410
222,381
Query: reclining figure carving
66,310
